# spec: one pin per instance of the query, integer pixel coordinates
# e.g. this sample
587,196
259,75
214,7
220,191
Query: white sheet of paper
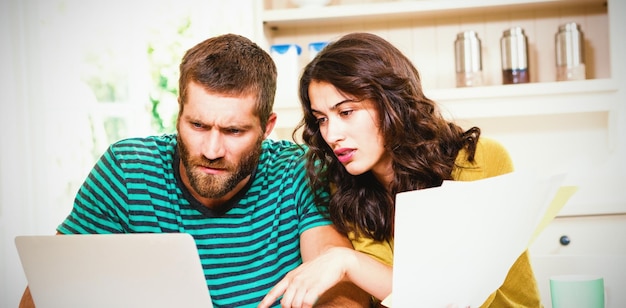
455,244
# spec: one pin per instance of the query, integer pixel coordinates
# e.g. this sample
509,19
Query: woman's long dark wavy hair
422,144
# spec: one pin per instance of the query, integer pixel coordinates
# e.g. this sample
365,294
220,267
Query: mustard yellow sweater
520,287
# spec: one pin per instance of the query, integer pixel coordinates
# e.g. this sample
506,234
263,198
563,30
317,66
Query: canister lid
467,34
570,26
513,31
284,48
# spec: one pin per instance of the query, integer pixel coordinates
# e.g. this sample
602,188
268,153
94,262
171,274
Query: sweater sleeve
491,159
519,288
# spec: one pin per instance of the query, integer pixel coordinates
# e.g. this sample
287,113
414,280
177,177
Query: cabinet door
611,267
584,235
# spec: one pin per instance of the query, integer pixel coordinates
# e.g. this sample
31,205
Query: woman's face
351,130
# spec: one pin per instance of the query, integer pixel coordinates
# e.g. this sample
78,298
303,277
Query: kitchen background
78,75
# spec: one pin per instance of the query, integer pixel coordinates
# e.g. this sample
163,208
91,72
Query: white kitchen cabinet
583,245
578,127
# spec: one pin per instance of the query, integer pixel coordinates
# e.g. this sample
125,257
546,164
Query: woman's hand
303,286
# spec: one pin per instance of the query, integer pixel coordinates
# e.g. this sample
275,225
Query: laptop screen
113,270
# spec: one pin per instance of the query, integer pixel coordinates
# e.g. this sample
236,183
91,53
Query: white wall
18,192
8,118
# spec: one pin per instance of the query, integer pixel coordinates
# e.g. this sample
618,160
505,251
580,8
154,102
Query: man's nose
213,146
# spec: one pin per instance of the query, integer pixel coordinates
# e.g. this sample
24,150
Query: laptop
113,270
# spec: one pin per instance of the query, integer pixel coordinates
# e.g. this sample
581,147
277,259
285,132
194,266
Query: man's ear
271,122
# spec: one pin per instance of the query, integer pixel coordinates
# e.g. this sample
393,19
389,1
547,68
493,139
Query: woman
372,133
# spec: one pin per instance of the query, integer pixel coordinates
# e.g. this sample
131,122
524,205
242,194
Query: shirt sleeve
309,212
99,203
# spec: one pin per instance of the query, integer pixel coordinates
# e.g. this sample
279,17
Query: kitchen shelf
425,30
531,99
275,18
545,98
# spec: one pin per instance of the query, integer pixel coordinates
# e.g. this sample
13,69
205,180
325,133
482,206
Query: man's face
219,139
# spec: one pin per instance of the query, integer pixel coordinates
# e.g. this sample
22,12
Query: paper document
455,244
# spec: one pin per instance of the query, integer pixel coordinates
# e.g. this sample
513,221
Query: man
242,197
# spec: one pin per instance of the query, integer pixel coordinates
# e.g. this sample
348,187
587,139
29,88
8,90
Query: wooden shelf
275,18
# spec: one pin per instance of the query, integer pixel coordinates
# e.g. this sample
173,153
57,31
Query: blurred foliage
115,61
106,75
165,50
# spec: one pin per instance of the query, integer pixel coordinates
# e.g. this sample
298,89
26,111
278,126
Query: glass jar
468,60
514,53
570,52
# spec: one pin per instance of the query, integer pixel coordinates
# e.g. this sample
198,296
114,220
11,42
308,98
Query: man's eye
233,131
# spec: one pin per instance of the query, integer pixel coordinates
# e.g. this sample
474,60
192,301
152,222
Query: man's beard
216,186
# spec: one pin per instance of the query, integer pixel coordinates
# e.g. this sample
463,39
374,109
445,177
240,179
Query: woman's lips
345,155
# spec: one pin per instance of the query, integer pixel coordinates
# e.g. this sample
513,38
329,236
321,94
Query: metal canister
468,59
570,53
514,53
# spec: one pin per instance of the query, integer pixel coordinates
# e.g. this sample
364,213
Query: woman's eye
321,120
345,112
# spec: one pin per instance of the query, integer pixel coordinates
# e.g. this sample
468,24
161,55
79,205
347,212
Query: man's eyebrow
239,126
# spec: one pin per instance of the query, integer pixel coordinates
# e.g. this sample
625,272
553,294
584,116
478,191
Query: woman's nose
335,130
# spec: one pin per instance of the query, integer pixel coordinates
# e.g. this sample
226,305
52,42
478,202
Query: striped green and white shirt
135,187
